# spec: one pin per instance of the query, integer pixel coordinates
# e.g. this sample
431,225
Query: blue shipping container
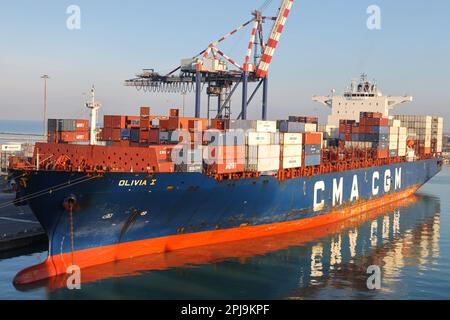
135,135
312,161
292,127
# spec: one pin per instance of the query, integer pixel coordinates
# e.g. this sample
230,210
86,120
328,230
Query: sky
325,44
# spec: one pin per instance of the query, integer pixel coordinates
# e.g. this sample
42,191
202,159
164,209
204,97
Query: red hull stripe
58,264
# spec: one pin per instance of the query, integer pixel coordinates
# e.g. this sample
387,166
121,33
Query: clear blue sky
326,43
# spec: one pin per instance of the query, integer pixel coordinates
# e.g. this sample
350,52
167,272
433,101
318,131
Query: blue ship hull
127,208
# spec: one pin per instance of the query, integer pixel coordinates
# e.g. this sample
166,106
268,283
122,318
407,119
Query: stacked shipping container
68,131
422,130
291,150
374,131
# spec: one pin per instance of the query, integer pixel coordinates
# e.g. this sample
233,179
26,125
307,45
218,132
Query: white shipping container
393,130
403,131
258,138
393,145
257,125
275,138
263,151
393,137
291,138
310,127
292,150
402,152
263,165
402,138
291,162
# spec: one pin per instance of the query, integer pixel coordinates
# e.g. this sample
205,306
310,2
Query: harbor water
408,241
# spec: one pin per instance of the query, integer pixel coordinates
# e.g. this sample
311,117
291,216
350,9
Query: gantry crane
212,67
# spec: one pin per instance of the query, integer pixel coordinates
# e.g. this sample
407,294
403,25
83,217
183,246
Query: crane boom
210,67
275,35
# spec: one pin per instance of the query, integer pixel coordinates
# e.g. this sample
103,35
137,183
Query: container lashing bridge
221,73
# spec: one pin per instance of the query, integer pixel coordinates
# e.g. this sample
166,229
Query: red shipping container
174,113
153,136
133,118
218,124
107,121
312,138
116,134
106,134
230,167
164,125
118,122
65,136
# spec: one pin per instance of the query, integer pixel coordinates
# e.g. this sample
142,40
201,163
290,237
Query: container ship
149,184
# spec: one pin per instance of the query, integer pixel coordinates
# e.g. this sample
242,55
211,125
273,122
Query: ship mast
94,107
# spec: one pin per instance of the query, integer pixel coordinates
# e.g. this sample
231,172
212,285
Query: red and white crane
221,72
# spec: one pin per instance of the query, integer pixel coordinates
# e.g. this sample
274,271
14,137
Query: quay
18,226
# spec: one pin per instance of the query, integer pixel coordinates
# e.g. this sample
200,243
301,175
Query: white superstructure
364,97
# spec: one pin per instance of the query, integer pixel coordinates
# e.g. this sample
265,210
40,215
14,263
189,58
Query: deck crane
211,67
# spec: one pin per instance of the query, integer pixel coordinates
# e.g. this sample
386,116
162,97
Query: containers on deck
426,131
256,125
312,148
68,130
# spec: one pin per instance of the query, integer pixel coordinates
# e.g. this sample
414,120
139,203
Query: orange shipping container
66,136
230,167
218,124
382,154
312,138
185,123
201,123
145,112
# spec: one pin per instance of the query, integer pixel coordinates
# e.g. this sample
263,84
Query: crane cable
265,5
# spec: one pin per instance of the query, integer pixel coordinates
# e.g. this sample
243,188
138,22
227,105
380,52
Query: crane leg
198,91
244,95
264,102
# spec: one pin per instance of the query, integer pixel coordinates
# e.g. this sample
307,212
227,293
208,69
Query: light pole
45,77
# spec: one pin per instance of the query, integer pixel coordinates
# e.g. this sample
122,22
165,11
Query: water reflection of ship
393,241
312,259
